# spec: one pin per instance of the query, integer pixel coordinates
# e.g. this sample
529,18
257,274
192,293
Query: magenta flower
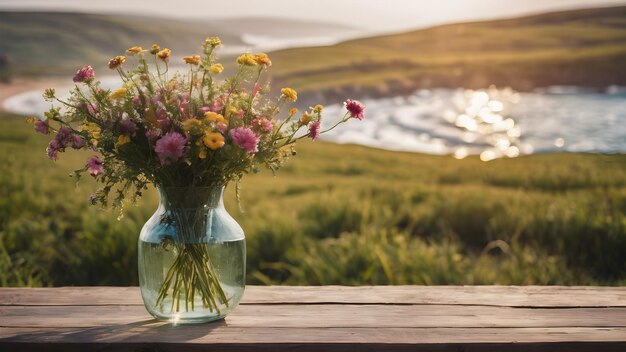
136,101
84,74
42,127
153,134
76,141
314,130
53,149
94,166
128,127
170,147
245,139
216,106
355,108
262,124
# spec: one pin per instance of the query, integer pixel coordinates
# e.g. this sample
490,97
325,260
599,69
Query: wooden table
327,318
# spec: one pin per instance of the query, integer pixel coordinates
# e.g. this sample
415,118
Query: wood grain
503,296
328,318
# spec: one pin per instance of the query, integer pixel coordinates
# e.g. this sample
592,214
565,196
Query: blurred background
492,151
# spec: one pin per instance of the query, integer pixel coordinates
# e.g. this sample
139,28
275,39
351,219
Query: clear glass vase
192,257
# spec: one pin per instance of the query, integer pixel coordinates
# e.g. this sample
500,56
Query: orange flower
164,54
263,60
192,60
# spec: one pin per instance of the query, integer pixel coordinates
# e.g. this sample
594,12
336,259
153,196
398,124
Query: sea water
228,262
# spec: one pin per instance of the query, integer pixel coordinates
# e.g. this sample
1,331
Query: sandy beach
21,85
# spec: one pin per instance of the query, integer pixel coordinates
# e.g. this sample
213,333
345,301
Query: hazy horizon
369,15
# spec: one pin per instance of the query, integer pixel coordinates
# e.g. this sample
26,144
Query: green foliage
403,218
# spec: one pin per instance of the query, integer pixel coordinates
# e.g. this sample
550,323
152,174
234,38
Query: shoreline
22,85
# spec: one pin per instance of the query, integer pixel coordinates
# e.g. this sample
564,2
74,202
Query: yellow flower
116,62
92,128
192,60
120,93
305,119
154,49
246,59
213,140
216,68
318,108
293,111
214,117
289,94
121,140
213,41
263,59
193,126
202,153
164,54
134,50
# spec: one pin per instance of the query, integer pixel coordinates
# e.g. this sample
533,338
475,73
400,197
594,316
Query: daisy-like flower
355,108
95,166
289,94
164,54
263,60
247,59
154,49
192,60
213,41
245,139
262,124
170,147
116,62
134,50
213,140
119,93
216,68
84,74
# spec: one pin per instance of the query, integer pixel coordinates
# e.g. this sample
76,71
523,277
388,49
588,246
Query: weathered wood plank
221,337
505,296
330,316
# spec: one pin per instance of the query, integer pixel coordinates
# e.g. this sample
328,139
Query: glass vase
192,257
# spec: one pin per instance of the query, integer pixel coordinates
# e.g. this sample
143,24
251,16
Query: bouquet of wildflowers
178,129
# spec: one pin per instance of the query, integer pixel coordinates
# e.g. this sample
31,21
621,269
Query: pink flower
262,124
222,127
245,139
204,110
355,108
94,166
53,149
240,113
76,141
127,127
314,130
84,74
153,134
136,101
170,147
93,110
42,127
216,106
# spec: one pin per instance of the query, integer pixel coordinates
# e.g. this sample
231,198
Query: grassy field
581,47
340,214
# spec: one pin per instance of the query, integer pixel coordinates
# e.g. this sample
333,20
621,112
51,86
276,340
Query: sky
372,15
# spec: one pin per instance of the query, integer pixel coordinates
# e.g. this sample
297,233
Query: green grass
581,47
340,214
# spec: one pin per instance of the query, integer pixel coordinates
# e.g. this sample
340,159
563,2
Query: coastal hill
579,47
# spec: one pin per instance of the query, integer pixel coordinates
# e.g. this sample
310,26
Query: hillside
56,43
582,47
